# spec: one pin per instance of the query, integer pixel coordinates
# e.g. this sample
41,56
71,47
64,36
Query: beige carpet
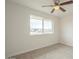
58,51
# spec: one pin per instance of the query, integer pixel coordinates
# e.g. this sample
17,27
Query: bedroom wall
18,39
67,30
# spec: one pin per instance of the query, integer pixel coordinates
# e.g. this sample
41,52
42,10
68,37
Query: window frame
43,19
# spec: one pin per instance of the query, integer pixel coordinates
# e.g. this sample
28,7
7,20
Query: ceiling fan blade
56,2
52,10
47,5
62,9
65,3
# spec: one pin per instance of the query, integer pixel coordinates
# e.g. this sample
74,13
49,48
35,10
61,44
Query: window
48,28
38,25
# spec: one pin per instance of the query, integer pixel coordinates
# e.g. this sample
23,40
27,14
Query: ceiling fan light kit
56,7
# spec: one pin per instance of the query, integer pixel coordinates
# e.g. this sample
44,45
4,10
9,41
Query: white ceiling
37,4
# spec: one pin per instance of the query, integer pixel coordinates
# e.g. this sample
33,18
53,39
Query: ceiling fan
57,5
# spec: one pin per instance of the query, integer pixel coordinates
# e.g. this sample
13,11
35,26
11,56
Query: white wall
67,30
18,39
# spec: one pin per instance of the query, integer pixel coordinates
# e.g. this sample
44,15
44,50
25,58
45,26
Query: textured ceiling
37,4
